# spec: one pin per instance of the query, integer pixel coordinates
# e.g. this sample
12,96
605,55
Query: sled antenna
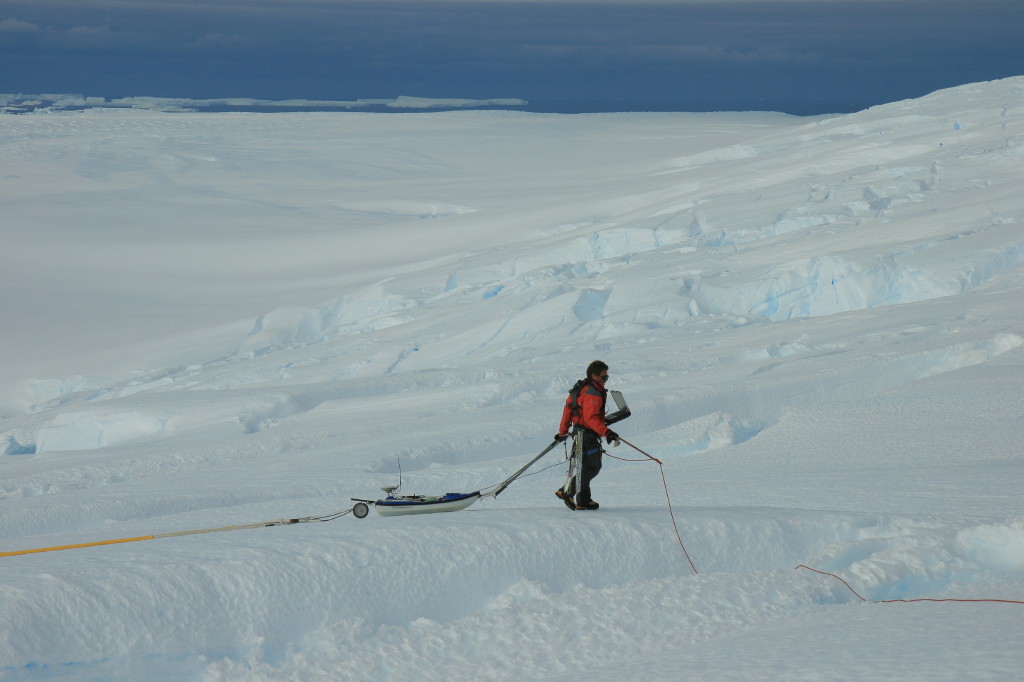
389,489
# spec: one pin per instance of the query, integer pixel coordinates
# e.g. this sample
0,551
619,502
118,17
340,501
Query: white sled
418,504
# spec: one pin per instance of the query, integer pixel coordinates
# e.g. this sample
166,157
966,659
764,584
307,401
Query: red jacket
591,413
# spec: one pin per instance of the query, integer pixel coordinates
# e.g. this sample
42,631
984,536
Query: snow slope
218,319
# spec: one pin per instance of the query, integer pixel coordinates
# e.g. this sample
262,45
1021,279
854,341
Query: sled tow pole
504,484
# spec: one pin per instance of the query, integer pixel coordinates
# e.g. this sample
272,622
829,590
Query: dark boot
567,499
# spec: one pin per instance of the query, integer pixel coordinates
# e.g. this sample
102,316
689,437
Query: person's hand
611,436
561,437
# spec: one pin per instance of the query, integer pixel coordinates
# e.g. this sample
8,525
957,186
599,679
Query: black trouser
590,464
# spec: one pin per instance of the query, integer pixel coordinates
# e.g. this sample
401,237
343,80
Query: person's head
598,371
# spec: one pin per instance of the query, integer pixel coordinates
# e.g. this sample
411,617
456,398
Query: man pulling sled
584,414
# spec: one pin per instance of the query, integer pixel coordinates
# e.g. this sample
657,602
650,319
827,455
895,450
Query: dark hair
596,367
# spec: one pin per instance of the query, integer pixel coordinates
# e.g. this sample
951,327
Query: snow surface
219,319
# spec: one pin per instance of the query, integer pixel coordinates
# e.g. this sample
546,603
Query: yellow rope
261,524
87,544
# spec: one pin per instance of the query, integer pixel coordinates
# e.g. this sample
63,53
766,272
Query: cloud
89,31
719,53
216,39
85,36
17,26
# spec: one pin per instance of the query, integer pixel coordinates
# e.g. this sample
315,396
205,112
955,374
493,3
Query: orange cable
86,544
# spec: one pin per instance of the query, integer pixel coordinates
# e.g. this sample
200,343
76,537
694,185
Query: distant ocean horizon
21,103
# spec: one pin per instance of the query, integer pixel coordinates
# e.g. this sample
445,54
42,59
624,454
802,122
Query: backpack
573,401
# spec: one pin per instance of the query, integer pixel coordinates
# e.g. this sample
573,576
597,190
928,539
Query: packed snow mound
218,319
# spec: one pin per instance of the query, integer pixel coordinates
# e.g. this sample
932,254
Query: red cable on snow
906,601
668,499
679,537
834,576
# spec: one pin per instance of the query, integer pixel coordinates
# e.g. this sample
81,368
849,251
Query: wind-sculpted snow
487,601
364,311
212,320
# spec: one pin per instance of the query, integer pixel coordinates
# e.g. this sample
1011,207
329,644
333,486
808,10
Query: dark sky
798,56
